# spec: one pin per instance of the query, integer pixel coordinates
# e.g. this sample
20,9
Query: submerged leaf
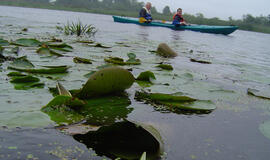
265,129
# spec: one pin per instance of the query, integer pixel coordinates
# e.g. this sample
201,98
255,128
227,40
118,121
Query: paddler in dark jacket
178,18
145,13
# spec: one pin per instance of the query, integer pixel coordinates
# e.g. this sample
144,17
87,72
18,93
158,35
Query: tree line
132,7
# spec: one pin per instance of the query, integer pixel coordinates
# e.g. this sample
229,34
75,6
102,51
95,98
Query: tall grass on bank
78,29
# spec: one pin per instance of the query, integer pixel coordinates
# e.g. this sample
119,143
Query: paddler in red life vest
178,18
145,14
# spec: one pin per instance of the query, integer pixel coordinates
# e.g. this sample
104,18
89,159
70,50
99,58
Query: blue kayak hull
199,28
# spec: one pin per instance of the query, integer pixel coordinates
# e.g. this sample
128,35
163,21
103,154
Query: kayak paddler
178,19
145,14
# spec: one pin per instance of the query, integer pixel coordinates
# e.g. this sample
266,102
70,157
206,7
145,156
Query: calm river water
237,129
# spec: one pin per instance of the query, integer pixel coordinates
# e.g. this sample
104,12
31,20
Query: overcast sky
216,8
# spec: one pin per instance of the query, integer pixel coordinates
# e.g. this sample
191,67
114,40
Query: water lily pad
60,113
3,42
82,60
107,81
28,85
97,111
165,66
22,62
175,103
258,93
24,79
146,76
41,71
17,74
61,47
45,50
120,61
199,61
27,42
101,46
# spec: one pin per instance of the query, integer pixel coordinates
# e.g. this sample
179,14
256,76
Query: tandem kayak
199,28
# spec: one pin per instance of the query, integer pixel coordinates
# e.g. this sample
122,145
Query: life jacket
147,15
177,19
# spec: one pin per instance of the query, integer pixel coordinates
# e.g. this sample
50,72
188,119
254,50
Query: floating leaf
173,103
101,46
3,42
60,113
44,50
88,42
25,86
17,74
120,61
22,62
258,93
82,60
24,79
41,71
27,42
199,61
165,66
146,76
61,47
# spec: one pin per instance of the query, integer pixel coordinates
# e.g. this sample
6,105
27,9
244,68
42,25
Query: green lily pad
22,62
97,111
107,81
60,113
45,50
24,79
84,41
3,42
28,85
15,74
61,47
41,71
27,42
146,76
120,61
165,66
82,60
175,103
101,46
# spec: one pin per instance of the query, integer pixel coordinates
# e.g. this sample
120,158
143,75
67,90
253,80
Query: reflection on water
123,140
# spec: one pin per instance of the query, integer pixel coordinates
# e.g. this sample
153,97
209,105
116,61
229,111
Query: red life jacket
180,16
